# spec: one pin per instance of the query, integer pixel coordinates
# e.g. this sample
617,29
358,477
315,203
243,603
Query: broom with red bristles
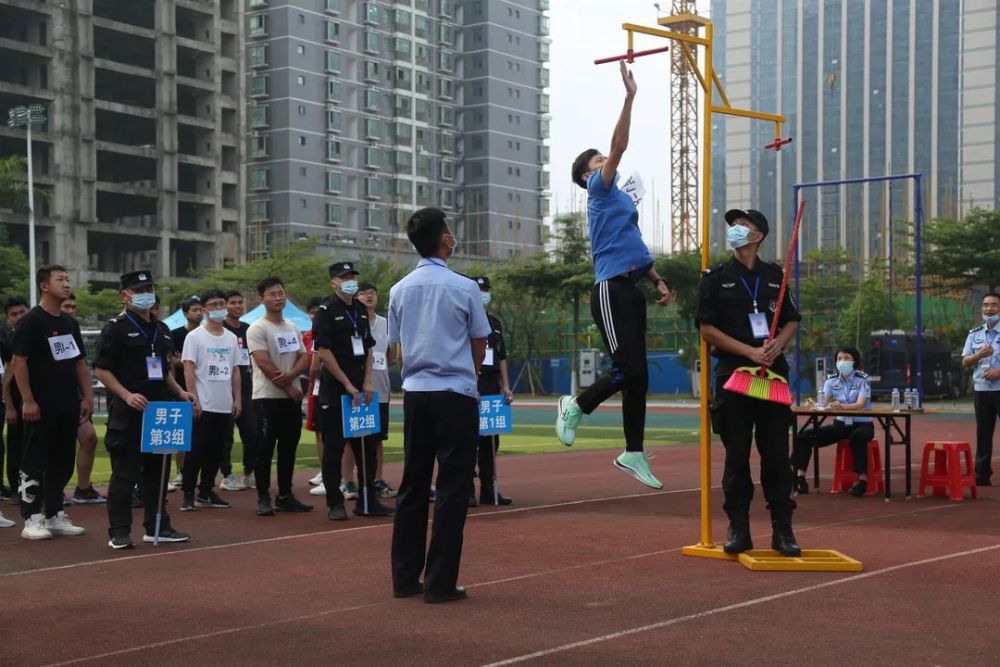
760,382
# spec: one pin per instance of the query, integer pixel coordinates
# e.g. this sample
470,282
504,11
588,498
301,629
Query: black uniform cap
342,268
136,279
756,217
483,282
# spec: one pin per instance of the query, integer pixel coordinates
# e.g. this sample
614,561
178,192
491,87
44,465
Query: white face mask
486,297
349,287
216,315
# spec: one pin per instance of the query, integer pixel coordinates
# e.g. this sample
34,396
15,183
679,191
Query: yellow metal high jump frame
710,84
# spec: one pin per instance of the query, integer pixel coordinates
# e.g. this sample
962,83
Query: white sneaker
317,480
61,525
175,483
318,490
34,528
232,483
5,522
250,481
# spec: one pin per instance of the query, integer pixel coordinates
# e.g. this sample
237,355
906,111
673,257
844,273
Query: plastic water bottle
821,400
915,399
895,399
908,398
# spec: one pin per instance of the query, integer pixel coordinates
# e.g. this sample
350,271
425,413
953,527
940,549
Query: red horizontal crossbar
631,55
778,143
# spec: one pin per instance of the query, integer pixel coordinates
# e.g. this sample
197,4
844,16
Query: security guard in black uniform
343,340
736,301
133,361
492,380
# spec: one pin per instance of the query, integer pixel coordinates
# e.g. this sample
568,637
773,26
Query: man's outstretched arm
619,140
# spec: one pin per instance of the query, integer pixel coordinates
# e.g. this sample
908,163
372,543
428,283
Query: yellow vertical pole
706,367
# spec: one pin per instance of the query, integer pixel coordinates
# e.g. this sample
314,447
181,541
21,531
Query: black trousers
206,451
858,434
247,425
279,424
489,445
47,462
987,404
332,426
15,448
619,310
439,425
740,420
129,466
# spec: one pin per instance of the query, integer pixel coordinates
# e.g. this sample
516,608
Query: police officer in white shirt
982,350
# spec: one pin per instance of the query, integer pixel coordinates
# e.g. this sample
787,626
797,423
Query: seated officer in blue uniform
847,389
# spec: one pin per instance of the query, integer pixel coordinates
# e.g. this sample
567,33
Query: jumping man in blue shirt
617,304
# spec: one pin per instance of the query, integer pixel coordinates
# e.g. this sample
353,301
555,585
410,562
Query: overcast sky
586,100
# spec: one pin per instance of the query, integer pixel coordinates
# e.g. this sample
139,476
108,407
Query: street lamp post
26,116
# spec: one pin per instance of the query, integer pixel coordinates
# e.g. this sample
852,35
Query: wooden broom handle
788,262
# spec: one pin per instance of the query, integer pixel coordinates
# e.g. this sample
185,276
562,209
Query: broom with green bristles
760,382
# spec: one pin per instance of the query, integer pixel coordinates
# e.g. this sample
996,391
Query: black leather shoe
458,593
739,539
409,591
859,488
290,503
337,513
486,498
783,540
375,508
801,485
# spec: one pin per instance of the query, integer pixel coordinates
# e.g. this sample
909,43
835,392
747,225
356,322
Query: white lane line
494,582
733,607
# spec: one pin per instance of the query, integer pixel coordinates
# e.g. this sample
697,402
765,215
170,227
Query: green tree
869,310
826,291
966,252
13,268
14,185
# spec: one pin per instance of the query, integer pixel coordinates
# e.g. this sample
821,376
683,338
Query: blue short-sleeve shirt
615,240
849,390
977,339
433,314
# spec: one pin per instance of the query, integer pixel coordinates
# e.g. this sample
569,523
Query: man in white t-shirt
211,358
383,356
278,357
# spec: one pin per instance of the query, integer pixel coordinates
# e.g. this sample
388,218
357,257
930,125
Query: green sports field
533,432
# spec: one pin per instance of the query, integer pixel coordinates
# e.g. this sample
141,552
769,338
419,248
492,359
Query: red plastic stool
844,476
947,475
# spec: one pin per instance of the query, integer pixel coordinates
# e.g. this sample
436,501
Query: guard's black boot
738,539
783,539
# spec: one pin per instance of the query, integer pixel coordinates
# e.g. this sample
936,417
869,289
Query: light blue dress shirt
433,314
849,390
979,338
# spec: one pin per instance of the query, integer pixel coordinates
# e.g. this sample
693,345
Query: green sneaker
635,464
567,420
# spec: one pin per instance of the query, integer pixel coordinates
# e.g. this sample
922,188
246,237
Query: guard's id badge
154,368
315,391
378,361
63,347
357,346
758,325
488,359
244,357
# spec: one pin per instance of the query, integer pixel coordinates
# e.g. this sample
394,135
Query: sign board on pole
495,415
166,427
360,420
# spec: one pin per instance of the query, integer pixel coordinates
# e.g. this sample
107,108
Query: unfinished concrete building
142,151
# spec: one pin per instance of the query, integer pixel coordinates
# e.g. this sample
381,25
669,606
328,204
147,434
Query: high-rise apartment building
142,150
360,112
868,88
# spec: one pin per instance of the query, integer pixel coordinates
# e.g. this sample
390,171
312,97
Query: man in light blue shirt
618,306
437,317
982,350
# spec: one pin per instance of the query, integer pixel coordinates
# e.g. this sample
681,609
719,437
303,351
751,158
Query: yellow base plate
707,551
811,560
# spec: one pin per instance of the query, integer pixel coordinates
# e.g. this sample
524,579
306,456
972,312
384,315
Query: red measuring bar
778,143
631,55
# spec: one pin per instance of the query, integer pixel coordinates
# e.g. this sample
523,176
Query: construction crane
683,136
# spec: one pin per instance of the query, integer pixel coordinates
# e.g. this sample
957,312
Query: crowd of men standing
258,378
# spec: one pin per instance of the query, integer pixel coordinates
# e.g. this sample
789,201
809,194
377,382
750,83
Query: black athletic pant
987,404
332,427
739,420
206,451
439,425
279,423
15,448
47,462
858,434
619,310
129,466
247,425
3,448
486,460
